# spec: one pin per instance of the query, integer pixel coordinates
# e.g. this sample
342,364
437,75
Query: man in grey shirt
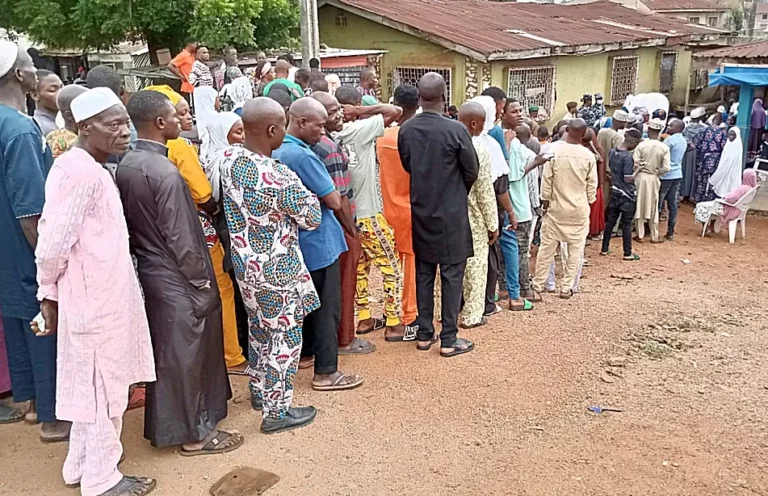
48,86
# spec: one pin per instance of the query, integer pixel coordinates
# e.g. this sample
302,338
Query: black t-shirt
622,164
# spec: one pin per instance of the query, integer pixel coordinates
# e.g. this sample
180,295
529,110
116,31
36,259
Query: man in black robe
438,154
183,306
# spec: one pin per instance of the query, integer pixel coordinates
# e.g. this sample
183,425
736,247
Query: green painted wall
403,50
574,75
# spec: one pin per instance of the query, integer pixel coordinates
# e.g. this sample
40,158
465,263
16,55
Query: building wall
574,75
723,19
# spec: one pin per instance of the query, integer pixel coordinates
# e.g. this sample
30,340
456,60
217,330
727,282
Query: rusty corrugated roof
748,51
494,28
686,4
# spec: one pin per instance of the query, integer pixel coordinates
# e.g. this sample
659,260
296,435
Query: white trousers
95,448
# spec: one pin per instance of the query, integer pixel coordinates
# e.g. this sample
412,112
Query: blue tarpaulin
739,75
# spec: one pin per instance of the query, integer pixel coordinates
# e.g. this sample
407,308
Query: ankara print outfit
265,204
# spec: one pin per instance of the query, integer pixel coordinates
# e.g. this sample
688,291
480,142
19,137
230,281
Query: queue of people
138,253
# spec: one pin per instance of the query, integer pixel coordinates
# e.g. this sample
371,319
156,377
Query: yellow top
184,156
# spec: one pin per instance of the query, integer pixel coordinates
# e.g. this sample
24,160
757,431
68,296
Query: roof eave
482,57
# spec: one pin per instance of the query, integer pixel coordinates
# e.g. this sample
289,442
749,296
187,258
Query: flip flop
54,439
632,258
10,415
138,397
212,446
352,381
566,295
468,346
536,298
77,484
134,486
377,324
429,346
525,307
482,322
359,347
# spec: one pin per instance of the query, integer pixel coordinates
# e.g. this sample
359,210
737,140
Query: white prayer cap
656,124
9,52
698,112
721,109
620,116
93,102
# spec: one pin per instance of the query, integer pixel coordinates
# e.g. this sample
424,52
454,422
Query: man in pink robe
90,296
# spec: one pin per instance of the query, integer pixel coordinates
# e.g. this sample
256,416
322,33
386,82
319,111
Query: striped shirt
337,163
200,75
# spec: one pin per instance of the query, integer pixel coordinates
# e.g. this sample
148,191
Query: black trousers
320,333
619,206
493,277
452,280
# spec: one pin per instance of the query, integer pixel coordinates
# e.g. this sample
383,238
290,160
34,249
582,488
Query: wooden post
310,35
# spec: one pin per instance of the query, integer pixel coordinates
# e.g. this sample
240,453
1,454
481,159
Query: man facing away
623,195
320,247
652,161
362,127
337,164
87,282
670,182
483,220
439,155
263,196
62,140
568,187
189,398
48,86
396,198
609,138
25,160
282,75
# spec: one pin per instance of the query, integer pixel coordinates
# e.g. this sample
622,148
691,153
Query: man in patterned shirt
265,204
201,73
337,163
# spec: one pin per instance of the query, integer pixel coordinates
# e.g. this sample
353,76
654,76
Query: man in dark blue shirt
623,193
25,160
321,247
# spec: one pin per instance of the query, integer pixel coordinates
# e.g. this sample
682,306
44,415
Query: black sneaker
411,330
256,402
669,237
295,418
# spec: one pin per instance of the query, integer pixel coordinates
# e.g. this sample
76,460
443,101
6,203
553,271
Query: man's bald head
523,132
282,68
64,102
577,128
307,120
675,126
264,122
472,115
432,91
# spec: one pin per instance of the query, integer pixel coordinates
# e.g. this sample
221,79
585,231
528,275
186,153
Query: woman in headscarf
727,213
756,127
692,133
708,153
263,74
727,177
184,155
235,94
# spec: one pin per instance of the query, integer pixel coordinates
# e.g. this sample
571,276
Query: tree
99,24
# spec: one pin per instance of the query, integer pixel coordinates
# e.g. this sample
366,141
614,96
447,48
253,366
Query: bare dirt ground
689,342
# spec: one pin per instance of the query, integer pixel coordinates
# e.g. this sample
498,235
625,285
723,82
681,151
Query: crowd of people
169,246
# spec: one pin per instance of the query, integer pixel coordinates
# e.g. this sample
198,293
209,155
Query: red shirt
184,61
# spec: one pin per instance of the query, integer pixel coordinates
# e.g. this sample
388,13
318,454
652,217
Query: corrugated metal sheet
687,4
493,27
749,51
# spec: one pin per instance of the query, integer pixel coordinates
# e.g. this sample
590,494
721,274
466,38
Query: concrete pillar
746,96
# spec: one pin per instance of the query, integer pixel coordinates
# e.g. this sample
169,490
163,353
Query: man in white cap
24,163
609,138
652,160
90,296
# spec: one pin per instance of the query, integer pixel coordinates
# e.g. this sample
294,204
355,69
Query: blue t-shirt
677,145
25,160
322,246
498,134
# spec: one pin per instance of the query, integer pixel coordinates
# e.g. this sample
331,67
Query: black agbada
181,297
439,155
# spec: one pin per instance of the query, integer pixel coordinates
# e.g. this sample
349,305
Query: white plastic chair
743,206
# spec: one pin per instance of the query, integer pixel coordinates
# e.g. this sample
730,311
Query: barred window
699,79
667,72
623,79
349,76
411,76
533,86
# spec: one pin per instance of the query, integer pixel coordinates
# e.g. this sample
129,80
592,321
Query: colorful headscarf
167,91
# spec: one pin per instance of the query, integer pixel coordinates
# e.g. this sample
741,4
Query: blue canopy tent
747,78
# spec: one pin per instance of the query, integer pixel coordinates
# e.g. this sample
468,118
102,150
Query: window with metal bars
667,71
623,79
533,86
348,75
411,76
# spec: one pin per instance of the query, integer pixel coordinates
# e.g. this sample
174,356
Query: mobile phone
40,321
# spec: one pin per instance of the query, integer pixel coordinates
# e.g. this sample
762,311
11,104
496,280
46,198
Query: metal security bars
623,79
667,72
411,76
533,86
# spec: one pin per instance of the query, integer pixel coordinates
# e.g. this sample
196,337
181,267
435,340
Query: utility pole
310,34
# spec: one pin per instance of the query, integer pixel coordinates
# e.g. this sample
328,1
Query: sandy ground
511,418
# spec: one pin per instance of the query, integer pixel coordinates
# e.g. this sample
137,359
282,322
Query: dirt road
511,418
